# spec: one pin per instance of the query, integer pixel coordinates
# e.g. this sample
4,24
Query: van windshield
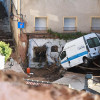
93,42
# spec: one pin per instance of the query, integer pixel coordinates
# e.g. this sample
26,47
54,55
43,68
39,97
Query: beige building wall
55,10
15,19
20,39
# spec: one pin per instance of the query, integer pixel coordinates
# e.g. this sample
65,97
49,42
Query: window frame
75,23
35,56
54,48
35,23
92,21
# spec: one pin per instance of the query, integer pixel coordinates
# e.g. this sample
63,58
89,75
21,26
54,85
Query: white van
81,50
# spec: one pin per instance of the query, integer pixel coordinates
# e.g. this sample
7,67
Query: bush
5,50
66,36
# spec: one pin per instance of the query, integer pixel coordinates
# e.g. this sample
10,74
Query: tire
86,62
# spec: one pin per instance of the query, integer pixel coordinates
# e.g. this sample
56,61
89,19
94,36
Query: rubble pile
47,73
12,87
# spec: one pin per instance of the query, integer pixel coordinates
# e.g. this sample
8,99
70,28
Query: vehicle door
72,56
63,60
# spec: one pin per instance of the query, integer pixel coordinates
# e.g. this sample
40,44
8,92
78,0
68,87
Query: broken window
54,49
40,54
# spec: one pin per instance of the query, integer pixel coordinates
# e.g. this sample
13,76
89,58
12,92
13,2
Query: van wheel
86,62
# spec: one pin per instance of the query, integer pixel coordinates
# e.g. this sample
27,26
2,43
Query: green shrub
5,50
66,36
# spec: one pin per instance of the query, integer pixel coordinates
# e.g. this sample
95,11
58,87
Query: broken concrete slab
76,81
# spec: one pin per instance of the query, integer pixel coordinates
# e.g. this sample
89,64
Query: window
93,42
40,23
95,24
40,54
54,49
63,55
69,24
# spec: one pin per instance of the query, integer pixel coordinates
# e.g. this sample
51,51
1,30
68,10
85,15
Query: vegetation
66,36
5,50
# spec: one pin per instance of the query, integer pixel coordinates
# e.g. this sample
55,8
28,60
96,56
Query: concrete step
5,24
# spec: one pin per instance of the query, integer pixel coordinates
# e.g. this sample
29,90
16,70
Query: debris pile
47,73
12,88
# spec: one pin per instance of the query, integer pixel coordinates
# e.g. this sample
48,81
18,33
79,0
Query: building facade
35,17
61,15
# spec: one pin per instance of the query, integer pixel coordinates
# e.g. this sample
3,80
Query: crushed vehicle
84,50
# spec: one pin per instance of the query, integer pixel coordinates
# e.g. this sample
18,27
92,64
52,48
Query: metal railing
69,28
41,28
38,83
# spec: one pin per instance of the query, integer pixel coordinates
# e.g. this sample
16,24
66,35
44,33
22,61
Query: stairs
5,25
5,31
7,38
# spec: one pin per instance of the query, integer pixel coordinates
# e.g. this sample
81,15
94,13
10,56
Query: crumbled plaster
24,44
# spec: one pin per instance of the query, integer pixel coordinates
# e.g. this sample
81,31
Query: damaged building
44,51
31,19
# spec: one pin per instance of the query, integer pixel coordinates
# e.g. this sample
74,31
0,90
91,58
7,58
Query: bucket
28,70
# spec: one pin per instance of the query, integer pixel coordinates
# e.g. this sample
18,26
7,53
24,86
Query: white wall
40,42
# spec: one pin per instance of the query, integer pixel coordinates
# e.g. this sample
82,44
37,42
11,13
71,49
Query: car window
90,43
96,41
93,42
63,55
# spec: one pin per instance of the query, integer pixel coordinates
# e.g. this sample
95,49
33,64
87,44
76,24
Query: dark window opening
54,49
63,55
40,54
93,42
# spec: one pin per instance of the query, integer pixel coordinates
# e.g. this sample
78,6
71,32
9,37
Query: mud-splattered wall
51,55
